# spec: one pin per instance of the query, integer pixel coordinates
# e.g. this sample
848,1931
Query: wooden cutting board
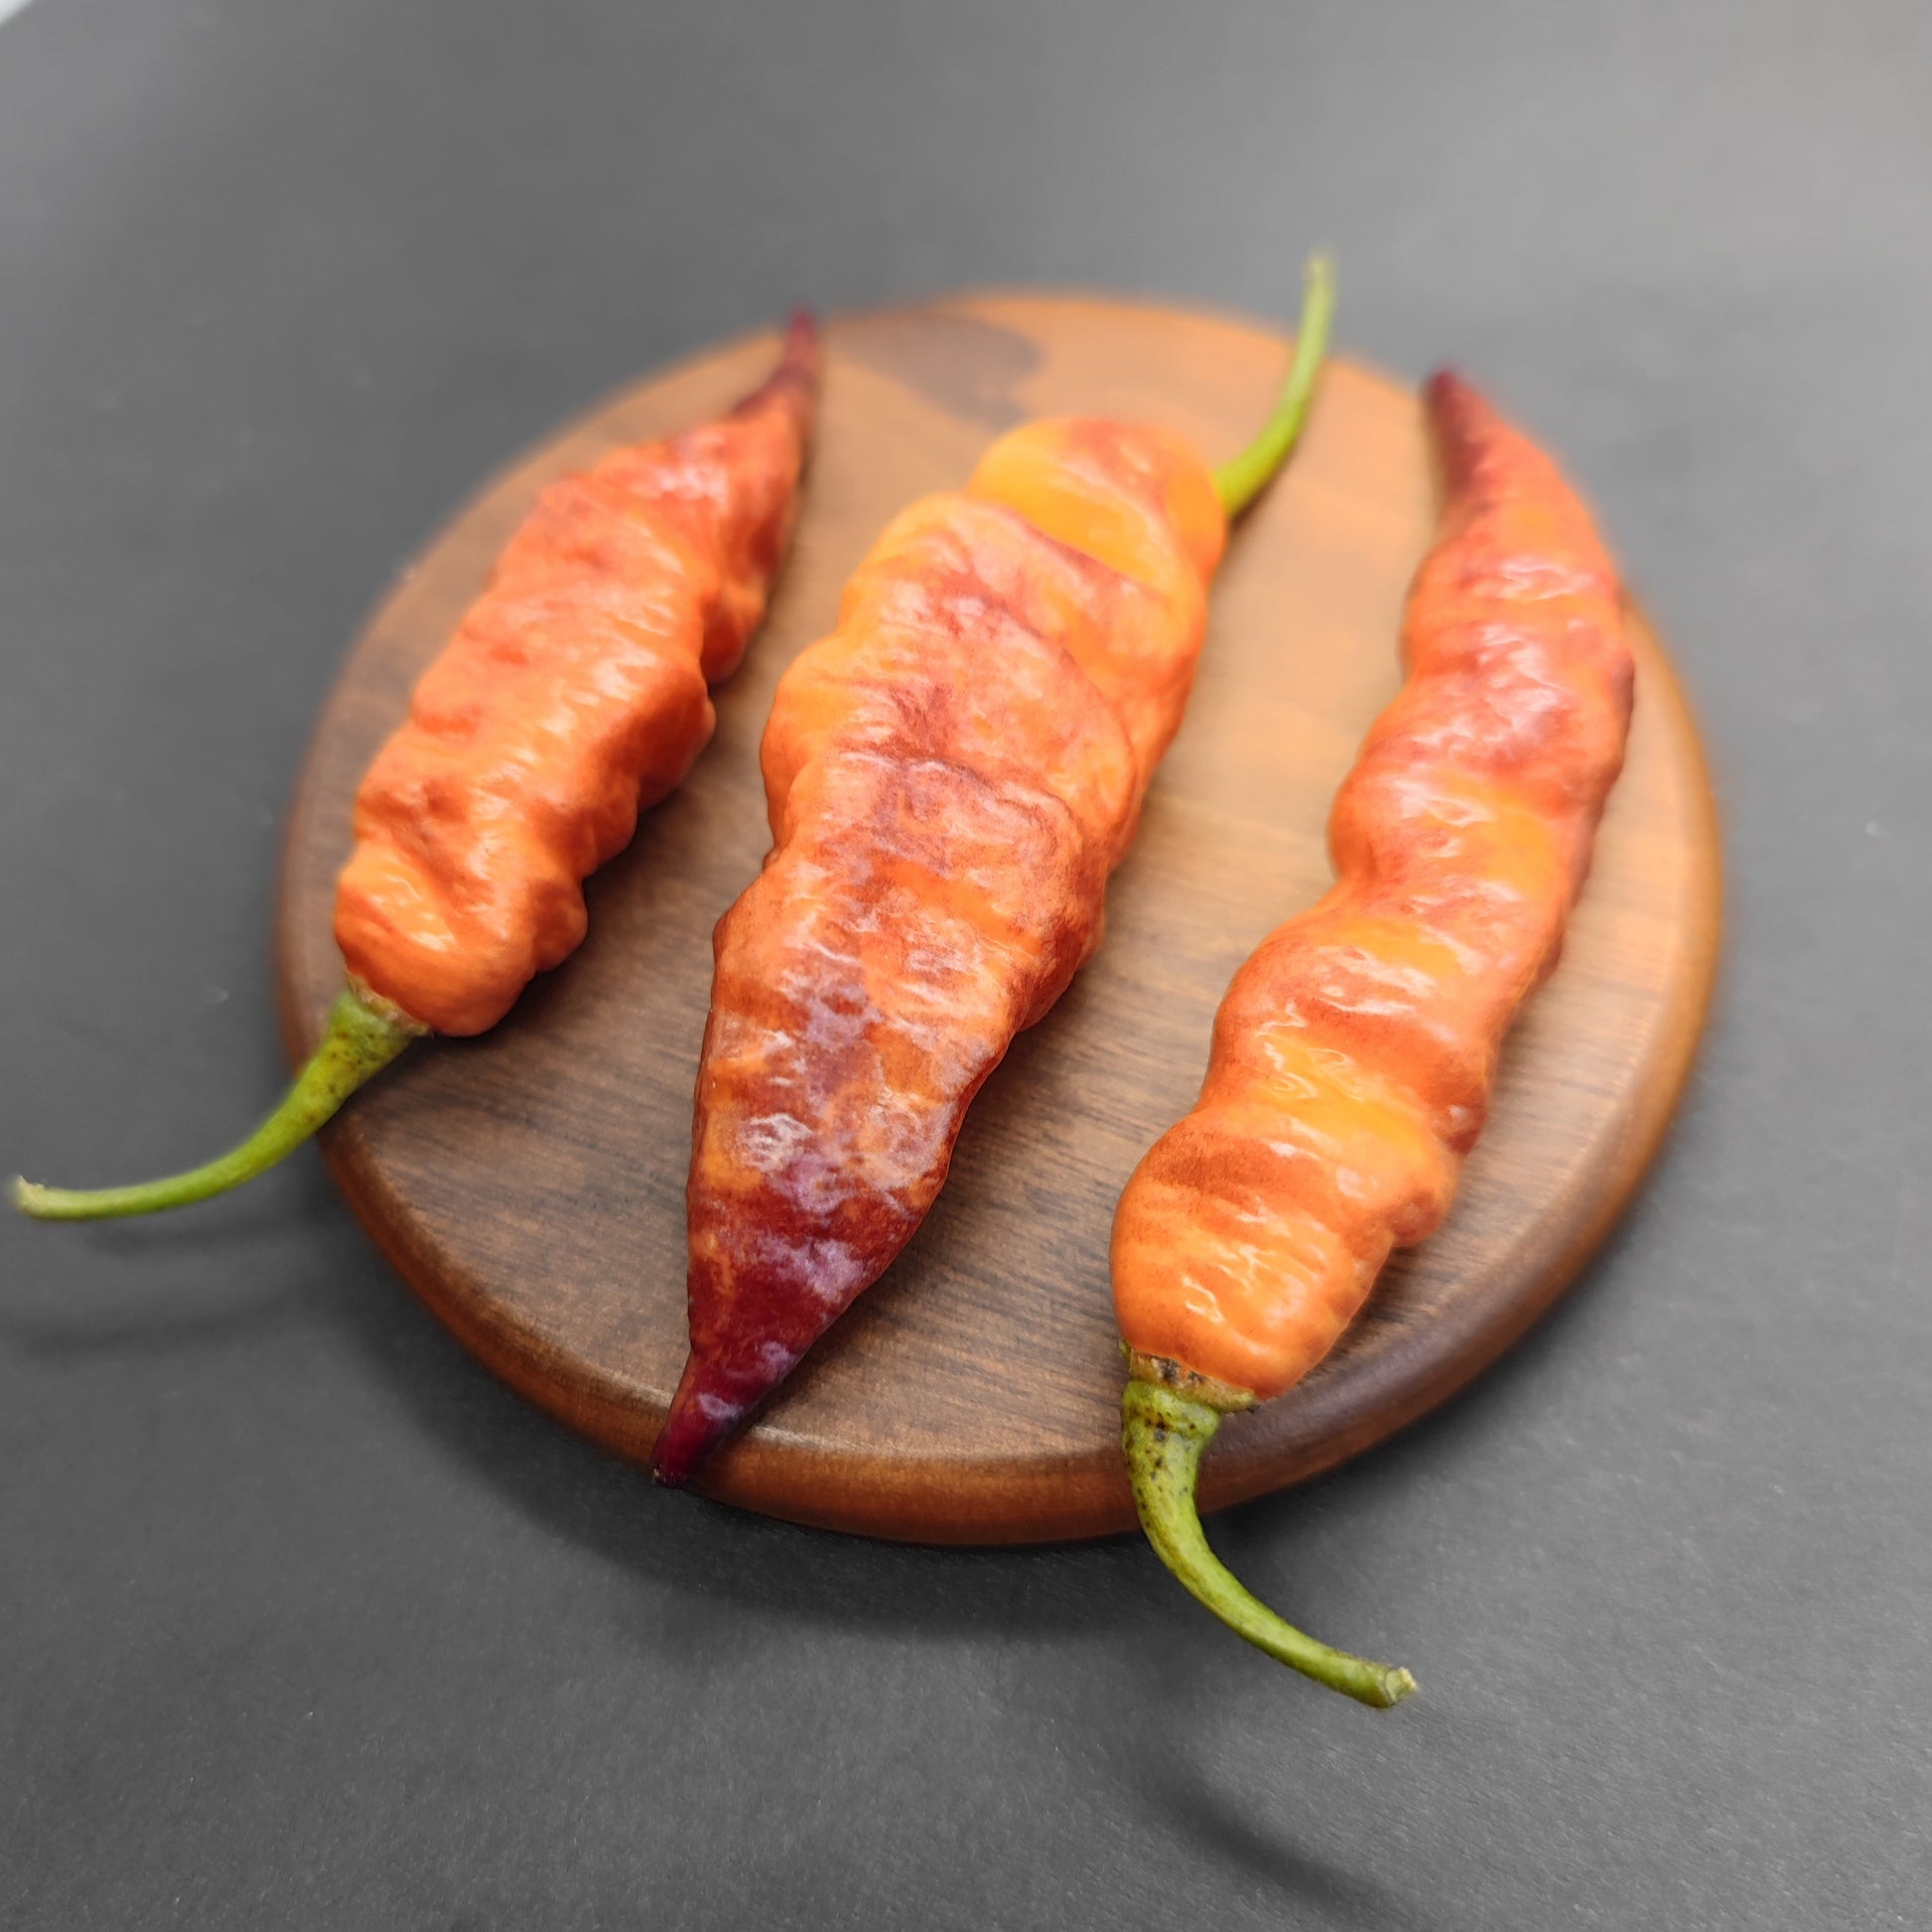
529,1184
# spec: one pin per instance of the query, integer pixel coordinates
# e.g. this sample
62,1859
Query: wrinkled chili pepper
574,694
1357,1049
951,775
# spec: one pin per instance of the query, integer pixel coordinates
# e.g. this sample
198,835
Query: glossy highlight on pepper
1355,1051
574,694
951,775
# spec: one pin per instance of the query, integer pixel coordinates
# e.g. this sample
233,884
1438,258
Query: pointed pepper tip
698,1421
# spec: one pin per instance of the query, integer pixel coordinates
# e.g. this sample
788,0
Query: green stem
1163,1434
1239,482
364,1034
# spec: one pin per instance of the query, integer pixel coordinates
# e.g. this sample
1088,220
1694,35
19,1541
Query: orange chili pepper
951,775
574,694
1355,1051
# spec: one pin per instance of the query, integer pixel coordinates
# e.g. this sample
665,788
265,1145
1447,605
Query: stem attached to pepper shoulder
1163,1434
364,1034
1239,482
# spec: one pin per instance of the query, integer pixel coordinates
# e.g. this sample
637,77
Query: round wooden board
531,1184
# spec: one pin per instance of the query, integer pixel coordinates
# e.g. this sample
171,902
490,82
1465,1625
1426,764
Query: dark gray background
305,1622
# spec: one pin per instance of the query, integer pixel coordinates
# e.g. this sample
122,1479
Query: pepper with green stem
1355,1052
574,694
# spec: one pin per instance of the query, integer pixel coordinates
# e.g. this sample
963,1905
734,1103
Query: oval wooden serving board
531,1184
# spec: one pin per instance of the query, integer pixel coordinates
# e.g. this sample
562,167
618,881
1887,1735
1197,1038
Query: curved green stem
1163,1434
364,1034
1239,482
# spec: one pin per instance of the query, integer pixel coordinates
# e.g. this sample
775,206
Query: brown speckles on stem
1163,1434
1222,1397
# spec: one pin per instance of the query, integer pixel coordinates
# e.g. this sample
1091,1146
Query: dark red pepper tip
801,336
702,1415
1462,421
798,368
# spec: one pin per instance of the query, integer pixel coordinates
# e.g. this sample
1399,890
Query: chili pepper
574,694
951,775
1355,1051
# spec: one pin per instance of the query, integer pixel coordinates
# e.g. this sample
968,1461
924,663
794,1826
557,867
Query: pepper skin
1356,1051
951,775
574,694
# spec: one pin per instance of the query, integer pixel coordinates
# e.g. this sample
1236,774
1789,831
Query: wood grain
529,1184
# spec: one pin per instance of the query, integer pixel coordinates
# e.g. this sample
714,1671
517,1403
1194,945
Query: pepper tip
794,377
700,1419
1458,415
799,350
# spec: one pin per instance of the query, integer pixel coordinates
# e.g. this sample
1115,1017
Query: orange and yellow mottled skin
574,694
1355,1051
951,775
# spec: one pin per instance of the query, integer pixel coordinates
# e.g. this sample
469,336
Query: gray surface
305,1622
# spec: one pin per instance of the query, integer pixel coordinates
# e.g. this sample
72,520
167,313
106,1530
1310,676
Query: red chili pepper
573,695
1355,1051
951,777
